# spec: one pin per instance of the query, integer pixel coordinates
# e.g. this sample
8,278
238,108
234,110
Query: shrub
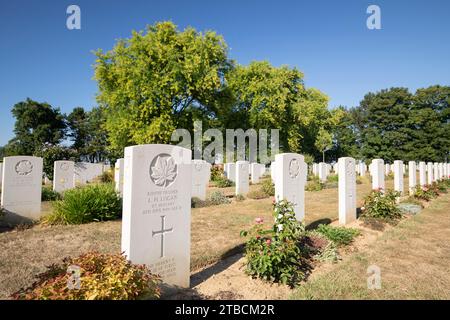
314,185
333,178
106,177
217,173
274,254
223,182
102,277
440,187
218,197
257,194
198,203
97,202
268,187
49,195
339,235
240,197
424,193
381,205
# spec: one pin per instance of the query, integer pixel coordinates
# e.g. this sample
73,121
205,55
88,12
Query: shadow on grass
225,261
313,225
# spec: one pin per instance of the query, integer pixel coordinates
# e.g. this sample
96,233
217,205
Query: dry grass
414,258
215,235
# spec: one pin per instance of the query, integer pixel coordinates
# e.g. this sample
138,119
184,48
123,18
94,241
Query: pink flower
259,220
268,242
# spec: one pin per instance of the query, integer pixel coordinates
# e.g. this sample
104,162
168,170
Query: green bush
217,173
274,254
240,197
381,205
97,202
106,177
314,184
268,187
333,178
217,198
49,195
341,236
223,182
101,277
425,193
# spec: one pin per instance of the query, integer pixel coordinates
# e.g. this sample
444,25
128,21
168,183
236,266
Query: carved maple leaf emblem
24,167
164,171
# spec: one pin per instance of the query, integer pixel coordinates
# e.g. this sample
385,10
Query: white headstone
412,176
387,169
201,171
315,169
447,172
63,174
255,172
377,174
435,172
231,171
272,171
430,177
422,173
290,170
323,171
242,173
118,175
441,170
22,188
398,176
362,169
1,173
156,223
347,190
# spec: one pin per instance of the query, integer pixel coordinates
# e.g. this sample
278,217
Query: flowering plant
274,254
381,204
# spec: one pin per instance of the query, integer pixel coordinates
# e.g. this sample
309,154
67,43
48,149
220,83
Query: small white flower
280,216
280,227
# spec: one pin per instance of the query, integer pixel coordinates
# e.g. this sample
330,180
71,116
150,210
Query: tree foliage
37,125
155,81
394,124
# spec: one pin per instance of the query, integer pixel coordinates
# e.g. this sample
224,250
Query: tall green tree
346,141
384,117
87,131
324,142
159,80
429,124
268,97
37,125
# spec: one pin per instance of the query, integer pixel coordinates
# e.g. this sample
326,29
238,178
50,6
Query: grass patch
341,236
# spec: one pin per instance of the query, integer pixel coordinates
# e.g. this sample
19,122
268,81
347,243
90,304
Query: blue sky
327,40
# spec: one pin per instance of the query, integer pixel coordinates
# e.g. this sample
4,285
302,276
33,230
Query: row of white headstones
157,183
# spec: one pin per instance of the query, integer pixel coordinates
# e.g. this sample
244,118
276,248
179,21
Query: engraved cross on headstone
161,233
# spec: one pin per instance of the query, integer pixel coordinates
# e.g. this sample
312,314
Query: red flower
259,220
